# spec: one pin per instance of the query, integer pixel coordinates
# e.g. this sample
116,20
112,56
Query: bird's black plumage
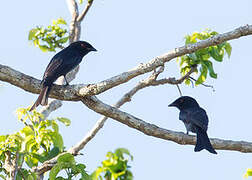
196,120
62,63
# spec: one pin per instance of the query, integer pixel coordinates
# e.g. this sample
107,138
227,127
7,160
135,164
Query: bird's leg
187,132
66,81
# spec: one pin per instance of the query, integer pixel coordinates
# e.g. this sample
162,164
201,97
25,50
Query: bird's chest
184,116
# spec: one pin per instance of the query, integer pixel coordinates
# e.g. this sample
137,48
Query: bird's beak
172,105
92,49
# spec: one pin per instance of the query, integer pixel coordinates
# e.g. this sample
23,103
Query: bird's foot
65,85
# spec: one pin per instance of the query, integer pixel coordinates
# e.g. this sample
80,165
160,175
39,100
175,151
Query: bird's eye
181,100
83,45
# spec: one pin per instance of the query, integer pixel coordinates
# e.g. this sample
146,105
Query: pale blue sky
127,33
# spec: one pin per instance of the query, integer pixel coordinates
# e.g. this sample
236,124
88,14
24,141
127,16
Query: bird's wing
198,117
52,67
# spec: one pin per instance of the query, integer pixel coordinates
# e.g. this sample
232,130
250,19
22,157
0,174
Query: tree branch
85,10
74,92
74,11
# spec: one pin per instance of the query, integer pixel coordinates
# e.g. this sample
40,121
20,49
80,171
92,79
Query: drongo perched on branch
62,63
195,120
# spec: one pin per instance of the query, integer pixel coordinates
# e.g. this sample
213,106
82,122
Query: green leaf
27,130
80,168
209,65
57,168
193,57
120,151
30,161
184,60
57,141
53,153
43,48
97,173
216,54
32,33
30,177
29,142
39,157
2,176
80,1
187,82
54,172
228,49
61,21
203,75
65,158
36,42
3,138
248,173
63,40
65,121
55,126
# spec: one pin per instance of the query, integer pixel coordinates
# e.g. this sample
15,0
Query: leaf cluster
67,163
115,167
203,58
36,143
51,37
248,173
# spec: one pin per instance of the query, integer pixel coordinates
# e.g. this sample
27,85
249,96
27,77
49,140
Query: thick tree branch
74,92
32,85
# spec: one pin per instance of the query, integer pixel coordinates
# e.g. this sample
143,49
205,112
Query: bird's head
184,102
82,46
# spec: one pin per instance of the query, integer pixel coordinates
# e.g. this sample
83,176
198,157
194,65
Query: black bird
195,119
62,63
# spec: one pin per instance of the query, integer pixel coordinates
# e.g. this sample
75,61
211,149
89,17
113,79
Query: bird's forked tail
203,142
43,97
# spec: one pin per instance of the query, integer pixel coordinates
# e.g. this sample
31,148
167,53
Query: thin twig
203,84
180,93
